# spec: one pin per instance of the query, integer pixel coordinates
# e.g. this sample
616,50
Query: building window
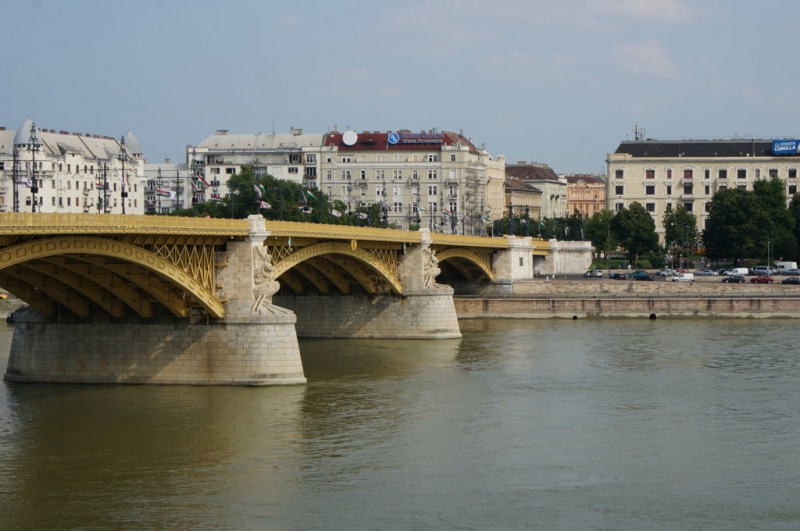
397,207
328,158
792,189
433,174
397,175
293,169
707,189
619,206
346,159
758,173
380,175
669,189
311,158
432,157
668,206
669,173
722,173
452,157
707,174
619,174
230,171
687,173
328,175
650,189
707,206
650,207
363,175
414,175
397,157
650,174
688,206
397,190
381,158
214,171
433,190
773,173
688,189
619,189
741,173
793,173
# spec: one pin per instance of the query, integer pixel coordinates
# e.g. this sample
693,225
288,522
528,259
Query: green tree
680,227
598,231
772,195
738,226
635,230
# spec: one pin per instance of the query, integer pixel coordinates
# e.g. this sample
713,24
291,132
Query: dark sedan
733,279
617,276
791,280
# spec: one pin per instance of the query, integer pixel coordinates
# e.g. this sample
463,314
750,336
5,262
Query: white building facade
42,170
662,174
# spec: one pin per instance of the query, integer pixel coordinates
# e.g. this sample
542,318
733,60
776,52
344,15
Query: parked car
641,275
791,280
762,279
593,273
734,279
793,272
617,276
666,273
761,270
684,277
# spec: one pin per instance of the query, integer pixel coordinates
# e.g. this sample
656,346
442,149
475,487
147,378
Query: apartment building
42,170
586,194
542,177
660,174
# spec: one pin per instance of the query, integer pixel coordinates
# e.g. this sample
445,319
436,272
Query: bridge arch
89,249
482,263
384,270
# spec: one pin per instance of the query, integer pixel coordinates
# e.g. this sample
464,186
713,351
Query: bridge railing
52,223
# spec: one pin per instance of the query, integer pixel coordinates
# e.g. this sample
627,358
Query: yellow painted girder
93,246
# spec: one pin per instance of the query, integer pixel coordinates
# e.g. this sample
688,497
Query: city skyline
556,84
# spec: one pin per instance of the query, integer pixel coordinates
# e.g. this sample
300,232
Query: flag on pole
264,205
361,215
448,212
102,186
335,213
421,209
201,180
259,194
309,194
169,194
217,199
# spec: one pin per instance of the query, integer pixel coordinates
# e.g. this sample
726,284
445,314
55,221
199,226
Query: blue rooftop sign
785,147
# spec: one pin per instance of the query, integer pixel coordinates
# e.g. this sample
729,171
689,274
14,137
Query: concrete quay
709,297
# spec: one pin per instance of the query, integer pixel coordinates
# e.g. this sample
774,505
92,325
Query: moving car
707,273
617,276
734,279
665,272
593,273
684,277
762,279
761,270
641,275
791,280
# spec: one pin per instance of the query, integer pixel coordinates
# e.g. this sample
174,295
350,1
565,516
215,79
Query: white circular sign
349,138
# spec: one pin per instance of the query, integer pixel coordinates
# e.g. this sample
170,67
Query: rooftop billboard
785,147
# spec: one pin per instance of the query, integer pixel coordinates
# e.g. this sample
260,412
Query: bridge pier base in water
261,350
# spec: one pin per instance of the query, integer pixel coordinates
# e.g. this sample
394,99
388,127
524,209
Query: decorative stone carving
265,285
430,269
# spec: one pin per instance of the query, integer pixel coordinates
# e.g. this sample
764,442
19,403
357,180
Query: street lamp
527,221
123,158
510,219
33,146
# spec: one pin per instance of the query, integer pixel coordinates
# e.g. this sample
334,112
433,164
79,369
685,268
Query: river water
522,424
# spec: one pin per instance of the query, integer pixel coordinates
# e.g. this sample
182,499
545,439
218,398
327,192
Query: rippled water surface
521,424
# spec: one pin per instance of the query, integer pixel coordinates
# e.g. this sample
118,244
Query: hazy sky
554,81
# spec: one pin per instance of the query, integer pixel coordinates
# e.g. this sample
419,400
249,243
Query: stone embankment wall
610,298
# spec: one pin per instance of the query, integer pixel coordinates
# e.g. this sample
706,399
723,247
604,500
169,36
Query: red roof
404,140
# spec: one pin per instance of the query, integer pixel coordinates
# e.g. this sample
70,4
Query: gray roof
23,135
250,142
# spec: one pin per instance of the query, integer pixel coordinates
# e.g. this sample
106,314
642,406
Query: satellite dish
349,138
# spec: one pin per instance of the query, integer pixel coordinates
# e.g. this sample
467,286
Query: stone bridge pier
253,344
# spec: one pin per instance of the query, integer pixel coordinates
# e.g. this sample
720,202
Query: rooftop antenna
273,125
638,132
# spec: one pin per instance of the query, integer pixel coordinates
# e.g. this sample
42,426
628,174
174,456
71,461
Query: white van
684,277
737,271
783,268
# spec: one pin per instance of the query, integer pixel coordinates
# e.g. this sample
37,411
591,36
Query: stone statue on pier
265,285
430,269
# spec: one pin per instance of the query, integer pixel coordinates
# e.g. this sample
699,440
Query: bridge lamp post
510,219
123,158
33,146
527,221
